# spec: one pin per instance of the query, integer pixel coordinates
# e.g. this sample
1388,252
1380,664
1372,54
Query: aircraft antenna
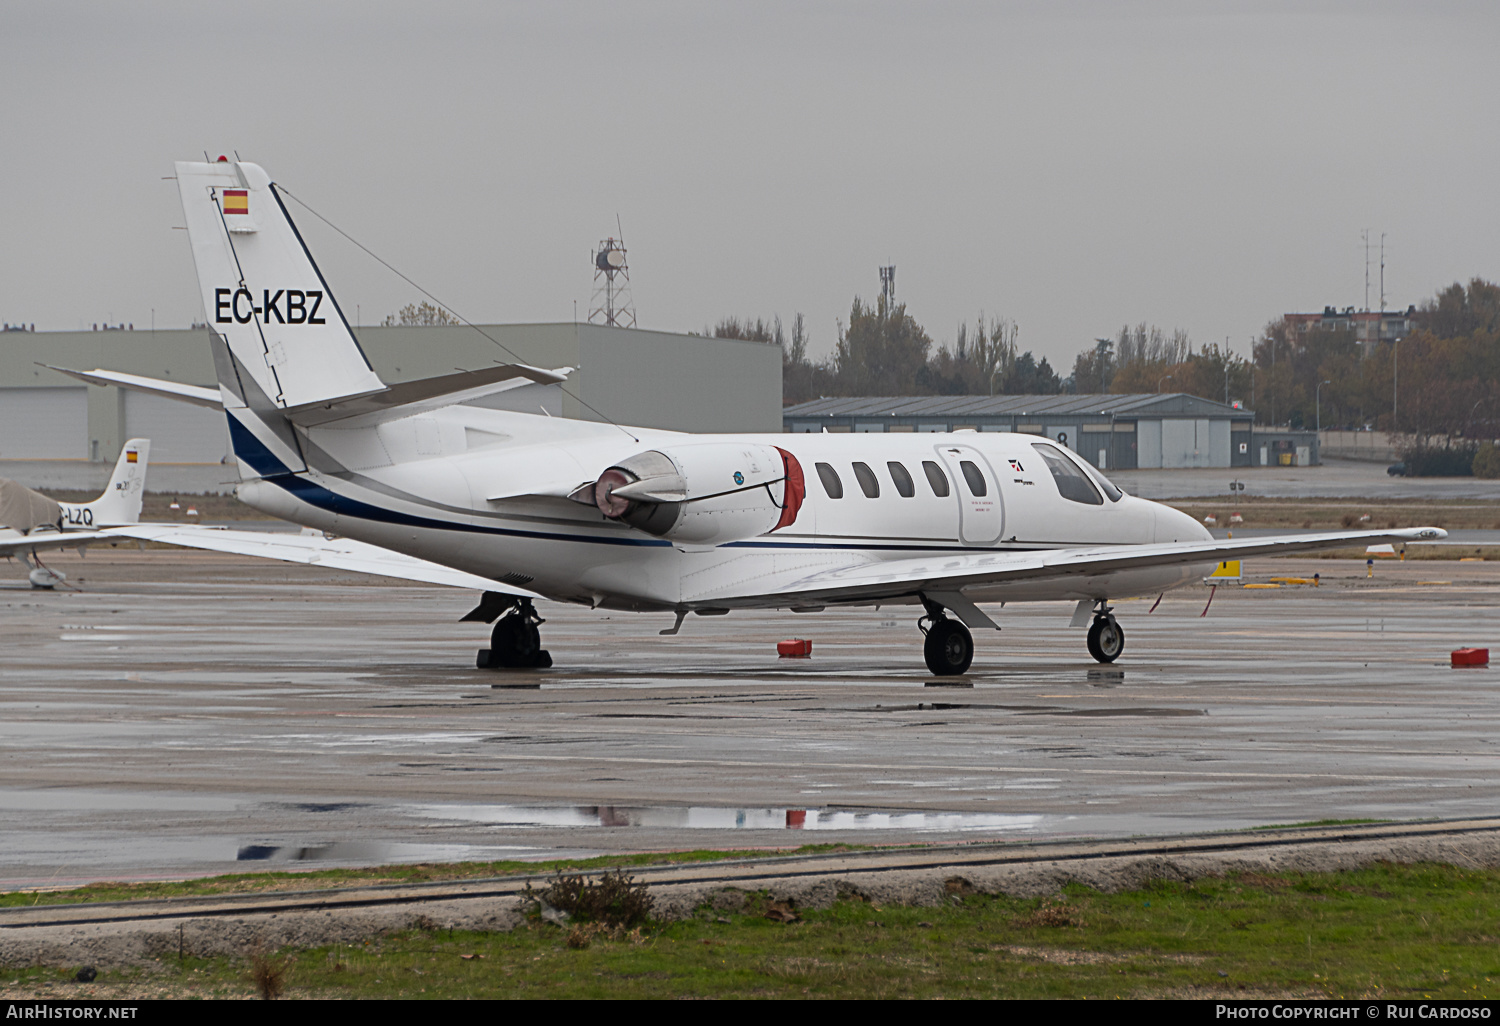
509,351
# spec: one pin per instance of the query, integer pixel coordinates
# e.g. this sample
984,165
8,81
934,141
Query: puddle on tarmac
626,817
707,818
378,851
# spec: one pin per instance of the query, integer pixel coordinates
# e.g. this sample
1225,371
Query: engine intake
704,494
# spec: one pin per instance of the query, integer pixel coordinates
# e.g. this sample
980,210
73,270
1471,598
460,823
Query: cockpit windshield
1072,483
1109,486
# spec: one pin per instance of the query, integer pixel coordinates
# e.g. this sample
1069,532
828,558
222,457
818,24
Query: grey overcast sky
1072,166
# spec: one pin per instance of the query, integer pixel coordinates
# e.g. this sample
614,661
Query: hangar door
1148,444
44,423
1197,442
179,432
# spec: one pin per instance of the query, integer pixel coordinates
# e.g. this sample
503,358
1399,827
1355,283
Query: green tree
882,351
1487,461
1458,311
1029,377
1093,369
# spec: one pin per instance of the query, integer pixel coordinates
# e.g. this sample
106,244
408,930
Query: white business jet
630,518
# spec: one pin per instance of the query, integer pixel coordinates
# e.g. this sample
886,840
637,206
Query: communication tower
888,285
612,303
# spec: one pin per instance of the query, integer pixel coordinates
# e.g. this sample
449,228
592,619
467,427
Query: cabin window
1072,483
901,479
866,478
975,479
831,483
936,478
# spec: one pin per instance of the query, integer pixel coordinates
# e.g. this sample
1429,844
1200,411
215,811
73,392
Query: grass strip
1387,931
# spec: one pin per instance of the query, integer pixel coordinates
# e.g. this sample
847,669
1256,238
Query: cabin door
981,513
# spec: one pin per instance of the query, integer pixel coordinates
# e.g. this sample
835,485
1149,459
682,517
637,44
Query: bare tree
424,316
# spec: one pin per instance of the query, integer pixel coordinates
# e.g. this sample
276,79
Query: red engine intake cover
796,489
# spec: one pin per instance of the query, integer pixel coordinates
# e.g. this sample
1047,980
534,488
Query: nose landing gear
949,648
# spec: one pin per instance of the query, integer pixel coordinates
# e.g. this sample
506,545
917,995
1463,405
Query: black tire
515,643
1106,640
949,648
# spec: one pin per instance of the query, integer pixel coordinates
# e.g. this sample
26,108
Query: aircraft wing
944,573
315,549
15,544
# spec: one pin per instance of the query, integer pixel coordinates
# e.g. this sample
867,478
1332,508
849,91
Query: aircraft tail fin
121,502
262,292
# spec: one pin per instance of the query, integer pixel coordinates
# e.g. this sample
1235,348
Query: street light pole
1395,380
1226,370
1160,380
1318,402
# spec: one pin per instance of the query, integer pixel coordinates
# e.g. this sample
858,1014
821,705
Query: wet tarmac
1331,479
192,713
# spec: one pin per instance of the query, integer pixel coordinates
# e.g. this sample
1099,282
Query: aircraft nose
1173,525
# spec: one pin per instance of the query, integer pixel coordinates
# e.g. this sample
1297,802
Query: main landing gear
949,648
515,642
1106,637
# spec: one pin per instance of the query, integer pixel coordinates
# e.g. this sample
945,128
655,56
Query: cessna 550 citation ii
639,519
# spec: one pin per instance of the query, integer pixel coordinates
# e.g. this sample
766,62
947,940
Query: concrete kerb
155,943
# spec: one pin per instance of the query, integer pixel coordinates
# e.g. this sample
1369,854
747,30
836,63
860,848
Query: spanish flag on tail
236,201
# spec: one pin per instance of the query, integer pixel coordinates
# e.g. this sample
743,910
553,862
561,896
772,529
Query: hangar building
1113,432
634,376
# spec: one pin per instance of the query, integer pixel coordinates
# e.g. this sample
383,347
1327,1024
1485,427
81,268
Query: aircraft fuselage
428,486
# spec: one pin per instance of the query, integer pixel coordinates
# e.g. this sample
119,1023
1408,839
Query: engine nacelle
704,494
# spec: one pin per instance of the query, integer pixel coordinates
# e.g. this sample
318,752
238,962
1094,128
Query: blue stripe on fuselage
264,462
253,451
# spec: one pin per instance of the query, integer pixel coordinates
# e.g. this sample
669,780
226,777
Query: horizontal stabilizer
408,398
195,394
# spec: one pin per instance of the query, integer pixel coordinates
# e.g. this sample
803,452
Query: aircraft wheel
1106,639
949,648
515,642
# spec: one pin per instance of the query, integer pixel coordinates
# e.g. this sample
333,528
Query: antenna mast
612,303
1365,234
1382,272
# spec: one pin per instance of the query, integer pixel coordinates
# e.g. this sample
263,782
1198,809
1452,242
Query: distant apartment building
1367,325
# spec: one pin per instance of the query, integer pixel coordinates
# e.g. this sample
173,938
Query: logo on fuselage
284,306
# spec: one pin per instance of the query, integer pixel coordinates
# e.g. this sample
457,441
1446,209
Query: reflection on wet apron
981,518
